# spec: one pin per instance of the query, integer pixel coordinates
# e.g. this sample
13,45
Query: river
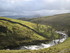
42,45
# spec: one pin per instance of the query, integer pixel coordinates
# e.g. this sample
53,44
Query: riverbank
42,45
59,48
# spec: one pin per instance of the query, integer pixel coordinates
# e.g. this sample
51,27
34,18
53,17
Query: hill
14,33
60,21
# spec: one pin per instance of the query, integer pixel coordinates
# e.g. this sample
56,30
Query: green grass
14,33
17,34
60,48
60,21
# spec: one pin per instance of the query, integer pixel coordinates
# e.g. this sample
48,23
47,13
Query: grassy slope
60,48
56,19
18,28
17,34
60,21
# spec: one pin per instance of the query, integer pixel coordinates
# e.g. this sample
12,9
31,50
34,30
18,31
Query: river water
42,45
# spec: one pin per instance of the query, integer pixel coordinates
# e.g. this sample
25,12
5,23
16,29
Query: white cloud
68,0
27,0
39,12
15,1
52,12
46,12
50,1
31,7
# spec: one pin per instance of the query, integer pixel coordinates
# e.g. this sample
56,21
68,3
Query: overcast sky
33,7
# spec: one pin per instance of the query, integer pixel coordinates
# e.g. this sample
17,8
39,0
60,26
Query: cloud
32,7
51,12
34,13
50,1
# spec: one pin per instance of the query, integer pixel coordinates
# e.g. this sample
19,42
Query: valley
35,35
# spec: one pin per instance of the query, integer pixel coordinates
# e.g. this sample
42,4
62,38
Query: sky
33,7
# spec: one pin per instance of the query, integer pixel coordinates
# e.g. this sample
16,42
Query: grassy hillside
14,33
60,48
60,21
